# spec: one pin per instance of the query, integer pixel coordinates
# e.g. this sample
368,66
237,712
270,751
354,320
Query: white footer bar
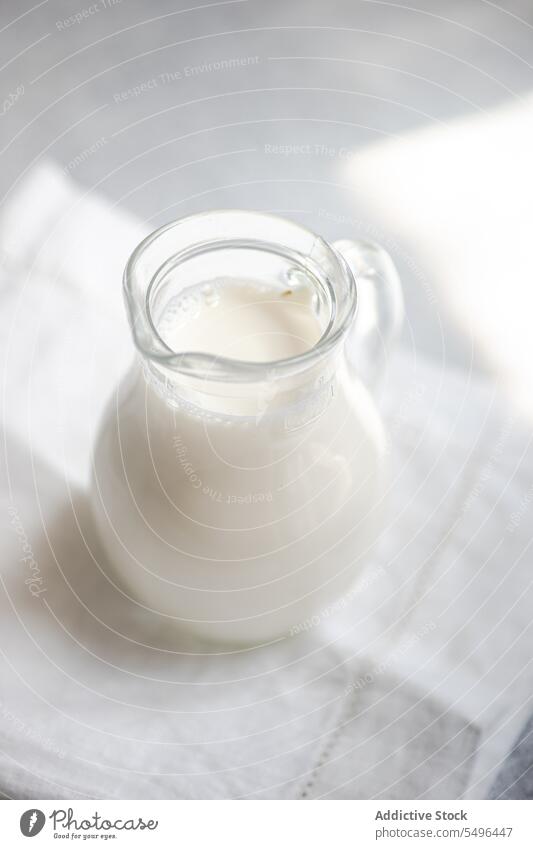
267,824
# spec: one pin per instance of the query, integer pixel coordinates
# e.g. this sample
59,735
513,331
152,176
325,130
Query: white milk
247,509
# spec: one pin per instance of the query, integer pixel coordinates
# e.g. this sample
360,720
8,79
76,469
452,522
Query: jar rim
235,227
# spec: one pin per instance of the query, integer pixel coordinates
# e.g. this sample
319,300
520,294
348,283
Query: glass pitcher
238,499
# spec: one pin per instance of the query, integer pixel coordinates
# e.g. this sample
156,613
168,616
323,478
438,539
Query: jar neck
239,246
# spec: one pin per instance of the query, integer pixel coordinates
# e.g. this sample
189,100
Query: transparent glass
238,499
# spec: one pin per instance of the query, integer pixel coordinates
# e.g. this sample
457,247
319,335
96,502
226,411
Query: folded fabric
515,779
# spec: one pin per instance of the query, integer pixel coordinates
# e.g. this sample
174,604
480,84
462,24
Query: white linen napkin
413,686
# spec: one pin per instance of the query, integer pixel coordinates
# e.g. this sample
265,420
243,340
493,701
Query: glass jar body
240,528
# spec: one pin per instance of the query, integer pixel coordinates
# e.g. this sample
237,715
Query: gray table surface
170,108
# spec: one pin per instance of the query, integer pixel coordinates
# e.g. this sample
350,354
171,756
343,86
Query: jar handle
380,307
